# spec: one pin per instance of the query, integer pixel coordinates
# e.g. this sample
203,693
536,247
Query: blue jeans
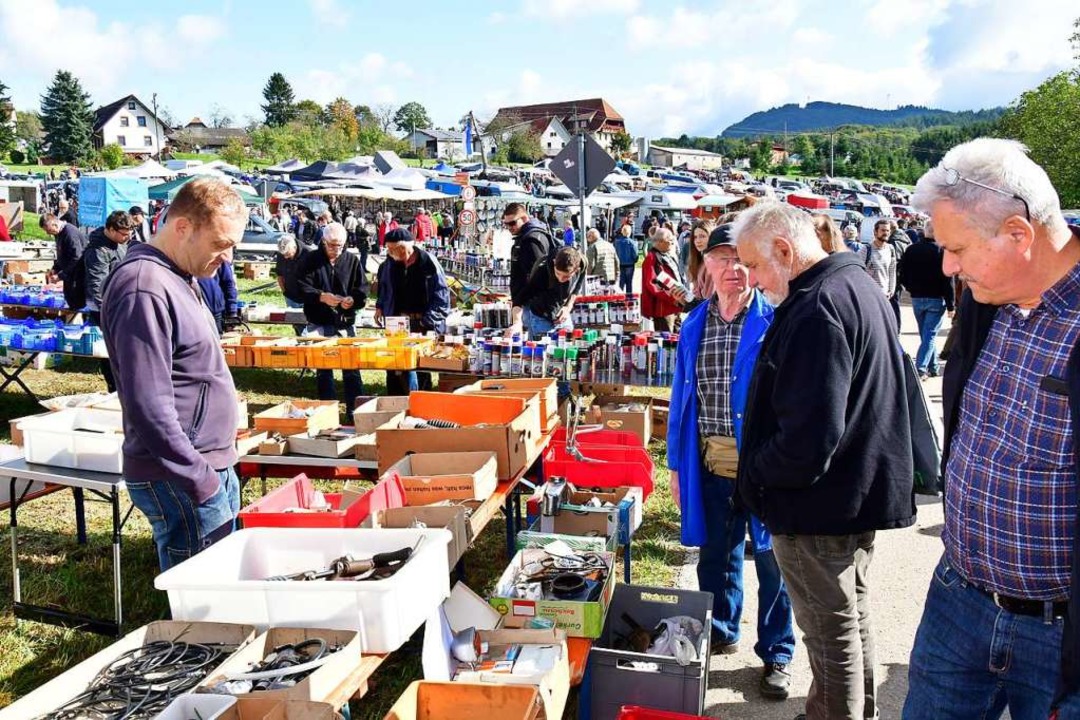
928,315
626,278
182,527
972,659
324,379
720,571
537,325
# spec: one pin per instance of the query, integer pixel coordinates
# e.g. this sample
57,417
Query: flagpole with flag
468,137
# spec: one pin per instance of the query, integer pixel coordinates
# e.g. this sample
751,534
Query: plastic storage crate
624,677
228,582
619,438
273,510
280,356
81,438
385,358
616,467
202,706
634,712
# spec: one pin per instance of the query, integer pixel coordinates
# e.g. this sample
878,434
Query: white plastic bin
81,438
226,582
206,707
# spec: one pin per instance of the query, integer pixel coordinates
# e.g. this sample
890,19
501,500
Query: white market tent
718,200
379,193
149,170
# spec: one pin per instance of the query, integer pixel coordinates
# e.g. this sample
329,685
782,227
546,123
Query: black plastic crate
663,684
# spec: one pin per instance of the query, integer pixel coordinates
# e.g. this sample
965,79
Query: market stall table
11,374
315,467
106,486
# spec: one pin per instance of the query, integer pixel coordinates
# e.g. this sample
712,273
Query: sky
668,67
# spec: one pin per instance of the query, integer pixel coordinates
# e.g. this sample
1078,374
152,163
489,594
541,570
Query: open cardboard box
465,609
578,618
378,411
323,415
545,389
319,686
615,416
501,425
328,443
424,700
578,518
47,698
248,441
452,517
433,477
273,709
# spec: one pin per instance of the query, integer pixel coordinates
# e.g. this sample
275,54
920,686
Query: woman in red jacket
663,291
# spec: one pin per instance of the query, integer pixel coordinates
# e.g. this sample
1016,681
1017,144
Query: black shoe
933,372
800,716
724,648
775,681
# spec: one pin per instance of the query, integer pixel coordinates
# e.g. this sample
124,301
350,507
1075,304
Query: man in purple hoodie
177,394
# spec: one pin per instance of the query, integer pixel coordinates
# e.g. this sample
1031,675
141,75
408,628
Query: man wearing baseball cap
717,349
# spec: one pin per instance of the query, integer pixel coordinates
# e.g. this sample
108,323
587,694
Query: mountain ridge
821,116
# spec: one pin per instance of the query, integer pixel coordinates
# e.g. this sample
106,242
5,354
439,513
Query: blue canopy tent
101,196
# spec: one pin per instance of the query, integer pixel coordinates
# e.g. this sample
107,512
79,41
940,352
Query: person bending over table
548,297
177,394
411,284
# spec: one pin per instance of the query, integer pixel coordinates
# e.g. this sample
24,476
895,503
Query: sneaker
775,681
933,372
724,648
922,375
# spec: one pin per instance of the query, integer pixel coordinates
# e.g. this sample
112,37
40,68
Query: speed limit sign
467,217
468,193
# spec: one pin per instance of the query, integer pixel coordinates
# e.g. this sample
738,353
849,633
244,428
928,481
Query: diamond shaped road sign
597,166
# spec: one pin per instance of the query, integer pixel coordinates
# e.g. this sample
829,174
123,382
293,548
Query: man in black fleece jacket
826,457
931,296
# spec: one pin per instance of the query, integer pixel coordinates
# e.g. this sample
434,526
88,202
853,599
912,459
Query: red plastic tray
270,511
634,712
619,466
599,437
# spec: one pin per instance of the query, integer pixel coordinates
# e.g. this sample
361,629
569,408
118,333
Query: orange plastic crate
424,345
328,357
238,356
280,356
386,358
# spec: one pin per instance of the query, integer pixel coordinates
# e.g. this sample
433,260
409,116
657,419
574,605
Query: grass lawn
55,569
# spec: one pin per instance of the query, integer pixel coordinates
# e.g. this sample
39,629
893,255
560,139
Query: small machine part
377,567
556,493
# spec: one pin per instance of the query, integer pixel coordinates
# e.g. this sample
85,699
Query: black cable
142,682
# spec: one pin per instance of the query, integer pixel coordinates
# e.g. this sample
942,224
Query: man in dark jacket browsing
177,394
106,249
931,296
817,463
411,284
334,287
532,242
70,244
1001,621
220,295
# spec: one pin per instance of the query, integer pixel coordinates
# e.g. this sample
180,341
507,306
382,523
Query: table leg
262,481
16,591
626,562
13,376
114,497
80,514
511,535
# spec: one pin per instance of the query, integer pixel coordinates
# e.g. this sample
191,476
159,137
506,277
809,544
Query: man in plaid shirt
998,629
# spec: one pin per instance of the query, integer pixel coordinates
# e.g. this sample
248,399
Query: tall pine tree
68,119
7,127
279,97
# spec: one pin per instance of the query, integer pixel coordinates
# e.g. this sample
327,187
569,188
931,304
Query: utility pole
157,126
832,153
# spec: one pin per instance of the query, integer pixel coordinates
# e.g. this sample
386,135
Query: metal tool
556,492
346,567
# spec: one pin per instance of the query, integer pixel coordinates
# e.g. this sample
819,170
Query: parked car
260,241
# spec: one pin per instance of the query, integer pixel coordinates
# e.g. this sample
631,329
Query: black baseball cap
720,236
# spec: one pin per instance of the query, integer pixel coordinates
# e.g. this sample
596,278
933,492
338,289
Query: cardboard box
273,447
272,709
660,410
465,609
248,441
47,698
434,477
545,388
493,424
451,517
257,271
533,537
319,686
425,700
322,415
440,363
366,448
626,507
615,414
577,618
377,411
324,443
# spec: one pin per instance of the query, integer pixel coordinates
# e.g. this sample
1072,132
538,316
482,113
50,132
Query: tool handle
390,559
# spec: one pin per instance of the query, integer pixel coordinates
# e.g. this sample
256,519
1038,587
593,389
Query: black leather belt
1032,608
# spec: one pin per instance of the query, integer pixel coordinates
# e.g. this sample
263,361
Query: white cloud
563,9
371,79
200,29
328,12
685,28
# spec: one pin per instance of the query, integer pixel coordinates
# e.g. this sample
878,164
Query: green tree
309,112
761,157
28,126
234,153
278,94
7,132
1047,120
18,157
621,142
524,146
364,114
68,119
411,115
112,156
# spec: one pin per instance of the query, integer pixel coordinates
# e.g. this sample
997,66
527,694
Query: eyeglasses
724,260
953,177
511,223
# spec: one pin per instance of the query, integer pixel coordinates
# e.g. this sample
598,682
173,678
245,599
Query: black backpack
75,285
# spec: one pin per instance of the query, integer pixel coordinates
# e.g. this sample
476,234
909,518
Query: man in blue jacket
718,347
220,294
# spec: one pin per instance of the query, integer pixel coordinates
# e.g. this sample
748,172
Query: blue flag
468,137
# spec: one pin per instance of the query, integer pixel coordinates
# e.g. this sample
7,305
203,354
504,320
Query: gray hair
661,233
592,234
286,241
768,219
336,231
1000,164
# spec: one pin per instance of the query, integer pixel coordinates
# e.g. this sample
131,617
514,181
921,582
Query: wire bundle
141,682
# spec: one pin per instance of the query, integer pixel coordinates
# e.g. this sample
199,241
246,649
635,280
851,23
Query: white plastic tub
206,707
226,582
80,438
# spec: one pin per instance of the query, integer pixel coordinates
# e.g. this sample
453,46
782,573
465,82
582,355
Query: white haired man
816,462
999,627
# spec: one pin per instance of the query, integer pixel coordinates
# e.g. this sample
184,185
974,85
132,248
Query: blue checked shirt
1010,499
719,344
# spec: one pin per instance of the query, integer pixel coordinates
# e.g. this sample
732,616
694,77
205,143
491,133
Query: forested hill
793,118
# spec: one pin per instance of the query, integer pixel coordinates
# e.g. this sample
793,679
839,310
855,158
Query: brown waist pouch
721,456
